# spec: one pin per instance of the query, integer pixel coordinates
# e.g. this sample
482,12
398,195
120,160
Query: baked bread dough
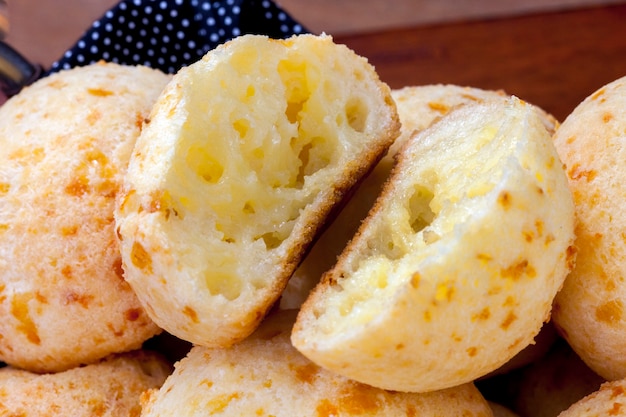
111,387
609,400
66,142
246,153
590,310
418,107
265,376
455,269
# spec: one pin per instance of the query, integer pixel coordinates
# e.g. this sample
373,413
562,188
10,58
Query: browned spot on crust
191,313
510,318
577,172
141,258
72,297
305,373
20,310
518,270
610,311
133,314
471,351
504,199
439,107
99,92
483,314
326,409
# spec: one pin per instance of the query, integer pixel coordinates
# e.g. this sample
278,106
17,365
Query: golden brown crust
66,141
265,376
589,310
111,387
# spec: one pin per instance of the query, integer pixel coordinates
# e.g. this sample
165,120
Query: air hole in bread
420,212
223,283
204,164
241,126
356,114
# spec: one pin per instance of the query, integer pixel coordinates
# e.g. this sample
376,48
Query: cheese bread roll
454,270
609,400
265,376
66,142
246,153
418,107
111,387
590,311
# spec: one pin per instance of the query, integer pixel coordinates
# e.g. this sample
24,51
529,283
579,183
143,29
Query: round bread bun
418,107
608,401
590,310
455,268
247,152
265,376
66,142
111,387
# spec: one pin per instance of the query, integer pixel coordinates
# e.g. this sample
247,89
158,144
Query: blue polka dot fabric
170,34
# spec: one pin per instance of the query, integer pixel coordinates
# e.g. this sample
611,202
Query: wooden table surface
553,60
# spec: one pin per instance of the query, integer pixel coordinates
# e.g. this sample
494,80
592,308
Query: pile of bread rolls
273,231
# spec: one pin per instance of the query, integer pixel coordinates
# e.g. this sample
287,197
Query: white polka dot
93,49
228,21
121,19
163,5
210,21
236,10
180,34
236,32
95,36
184,23
148,10
221,11
158,18
106,41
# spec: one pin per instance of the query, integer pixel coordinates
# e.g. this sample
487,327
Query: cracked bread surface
246,153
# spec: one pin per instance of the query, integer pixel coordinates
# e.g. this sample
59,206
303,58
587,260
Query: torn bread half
246,153
454,270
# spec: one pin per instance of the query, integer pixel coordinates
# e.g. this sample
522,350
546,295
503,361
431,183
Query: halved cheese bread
418,107
454,270
246,153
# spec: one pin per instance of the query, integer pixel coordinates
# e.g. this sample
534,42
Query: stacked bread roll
329,246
